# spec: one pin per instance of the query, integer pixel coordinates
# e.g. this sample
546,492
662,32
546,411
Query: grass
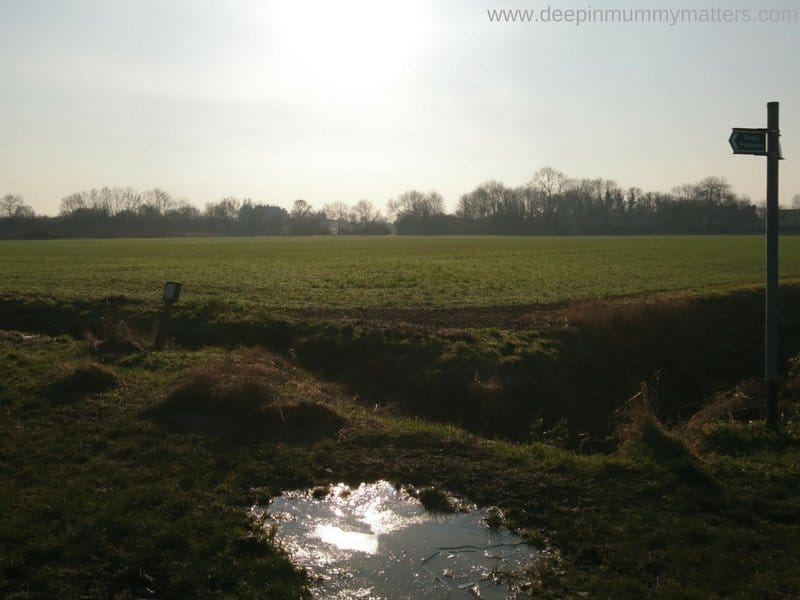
101,502
387,272
127,472
123,494
506,373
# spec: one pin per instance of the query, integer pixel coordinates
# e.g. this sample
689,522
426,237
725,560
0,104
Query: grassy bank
128,472
505,372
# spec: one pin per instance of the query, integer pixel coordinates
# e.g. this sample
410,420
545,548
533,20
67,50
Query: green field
624,439
387,272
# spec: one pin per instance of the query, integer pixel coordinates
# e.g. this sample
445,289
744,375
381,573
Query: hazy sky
350,99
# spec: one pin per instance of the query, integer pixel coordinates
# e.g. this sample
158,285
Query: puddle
376,542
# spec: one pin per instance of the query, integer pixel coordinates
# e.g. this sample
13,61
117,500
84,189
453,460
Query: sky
364,99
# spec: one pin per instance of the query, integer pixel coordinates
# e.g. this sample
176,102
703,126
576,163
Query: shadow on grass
688,348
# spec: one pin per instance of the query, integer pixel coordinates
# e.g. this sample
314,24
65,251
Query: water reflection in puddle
377,542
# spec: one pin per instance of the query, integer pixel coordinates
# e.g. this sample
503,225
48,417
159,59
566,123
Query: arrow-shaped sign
749,141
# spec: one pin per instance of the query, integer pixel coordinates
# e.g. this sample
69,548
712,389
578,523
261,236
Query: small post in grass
172,291
766,142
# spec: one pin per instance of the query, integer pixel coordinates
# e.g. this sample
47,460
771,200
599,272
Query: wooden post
172,291
163,325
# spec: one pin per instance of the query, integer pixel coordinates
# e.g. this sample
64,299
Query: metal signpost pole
766,142
771,324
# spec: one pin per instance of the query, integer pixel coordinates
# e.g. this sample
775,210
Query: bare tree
336,211
796,202
549,181
417,205
714,191
364,212
185,210
300,209
484,201
72,203
13,206
226,209
548,185
130,200
160,200
634,198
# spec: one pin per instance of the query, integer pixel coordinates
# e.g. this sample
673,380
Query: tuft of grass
494,518
113,338
251,395
436,501
639,431
641,436
733,438
75,382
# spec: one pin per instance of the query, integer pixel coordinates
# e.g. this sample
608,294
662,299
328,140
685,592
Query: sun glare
348,48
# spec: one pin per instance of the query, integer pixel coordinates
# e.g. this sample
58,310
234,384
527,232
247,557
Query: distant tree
70,204
417,205
226,209
549,181
160,200
300,209
336,212
486,200
684,192
714,191
548,186
796,201
185,210
129,200
13,206
364,212
420,214
25,212
303,220
258,219
634,198
246,216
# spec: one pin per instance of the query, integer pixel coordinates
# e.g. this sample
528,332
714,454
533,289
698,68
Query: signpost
172,291
749,141
766,142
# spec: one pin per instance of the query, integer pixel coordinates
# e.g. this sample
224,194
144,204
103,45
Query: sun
347,48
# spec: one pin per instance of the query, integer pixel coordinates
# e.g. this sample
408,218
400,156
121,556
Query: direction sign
749,141
767,142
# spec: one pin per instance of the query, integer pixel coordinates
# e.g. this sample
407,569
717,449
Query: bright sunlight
349,48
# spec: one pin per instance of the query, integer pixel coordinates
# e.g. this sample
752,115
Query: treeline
549,204
117,212
552,204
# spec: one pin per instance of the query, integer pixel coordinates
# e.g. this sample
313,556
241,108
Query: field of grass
624,437
130,476
387,272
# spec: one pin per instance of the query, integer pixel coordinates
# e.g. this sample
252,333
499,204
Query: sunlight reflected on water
347,540
378,542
